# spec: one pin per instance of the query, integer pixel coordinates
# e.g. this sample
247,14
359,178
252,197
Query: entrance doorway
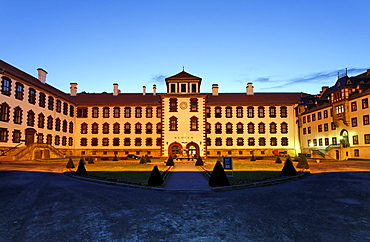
175,149
30,136
337,156
193,149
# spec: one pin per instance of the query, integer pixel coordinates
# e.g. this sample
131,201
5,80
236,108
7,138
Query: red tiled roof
256,99
183,76
121,99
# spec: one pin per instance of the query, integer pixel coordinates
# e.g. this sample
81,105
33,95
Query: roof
7,68
183,76
256,99
121,99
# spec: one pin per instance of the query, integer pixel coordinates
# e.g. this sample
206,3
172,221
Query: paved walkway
187,177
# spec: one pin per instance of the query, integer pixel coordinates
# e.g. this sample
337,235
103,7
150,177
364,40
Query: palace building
40,121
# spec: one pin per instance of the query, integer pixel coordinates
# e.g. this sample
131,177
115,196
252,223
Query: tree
90,161
278,160
170,161
199,161
302,163
288,169
218,177
70,164
155,178
142,160
81,170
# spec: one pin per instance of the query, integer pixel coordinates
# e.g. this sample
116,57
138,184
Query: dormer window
183,87
183,83
173,88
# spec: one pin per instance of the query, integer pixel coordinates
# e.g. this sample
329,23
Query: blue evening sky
279,45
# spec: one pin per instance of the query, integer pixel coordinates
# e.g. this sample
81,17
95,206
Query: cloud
157,79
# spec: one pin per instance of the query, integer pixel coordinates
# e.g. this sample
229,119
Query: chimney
323,89
115,89
73,89
368,72
144,90
154,90
42,75
214,89
250,89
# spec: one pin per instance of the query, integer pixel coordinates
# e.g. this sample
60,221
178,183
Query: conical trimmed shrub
90,161
142,160
81,170
218,177
70,163
278,160
199,161
288,169
147,159
170,161
302,163
155,178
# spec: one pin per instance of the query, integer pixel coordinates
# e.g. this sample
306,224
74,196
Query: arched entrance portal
193,149
344,138
30,136
175,149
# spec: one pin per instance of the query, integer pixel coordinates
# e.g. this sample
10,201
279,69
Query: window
284,128
353,106
16,136
106,111
193,123
127,112
32,96
250,112
40,138
95,128
19,91
18,112
138,142
65,126
313,117
333,127
273,141
57,140
304,131
366,119
229,128
367,138
208,142
173,104
229,142
116,128
339,109
127,128
148,128
262,141
50,103
173,87
261,112
83,142
208,112
159,112
64,141
149,112
218,142
273,128
325,113
127,142
354,122
229,112
41,121
138,112
50,123
193,88
83,128
81,112
319,116
95,112
218,111
30,118
218,128
65,108
138,127
105,128
70,130
3,135
365,103
159,128
355,139
6,86
4,112
208,128
116,112
183,87
105,141
308,130
356,153
49,139
326,141
251,141
71,111
239,128
173,123
334,140
284,141
149,142
308,118
193,104
158,142
240,142
239,112
94,142
283,112
319,128
59,106
272,111
70,141
326,127
250,128
304,119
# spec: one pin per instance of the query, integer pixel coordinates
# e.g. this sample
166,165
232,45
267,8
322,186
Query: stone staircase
38,151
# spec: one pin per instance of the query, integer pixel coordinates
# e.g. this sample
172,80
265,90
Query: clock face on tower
183,105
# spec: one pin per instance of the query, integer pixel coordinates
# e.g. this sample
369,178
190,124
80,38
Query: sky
279,46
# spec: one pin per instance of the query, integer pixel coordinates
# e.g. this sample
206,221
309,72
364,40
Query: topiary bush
81,170
199,161
288,169
147,159
142,160
155,178
70,163
170,161
218,177
302,163
90,161
278,160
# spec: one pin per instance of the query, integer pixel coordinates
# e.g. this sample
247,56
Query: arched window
41,121
127,112
284,128
19,90
193,123
84,128
30,118
272,111
218,111
105,128
106,111
70,127
229,112
57,124
138,128
284,112
138,112
251,141
95,128
6,84
149,128
239,128
116,128
173,123
240,142
239,112
159,128
218,128
18,115
272,128
127,128
229,128
250,112
32,95
262,141
261,128
284,141
208,128
65,125
50,123
261,112
4,112
229,141
250,128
